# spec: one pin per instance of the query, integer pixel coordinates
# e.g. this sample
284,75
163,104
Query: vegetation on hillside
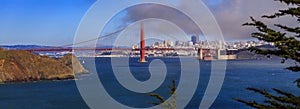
163,102
23,66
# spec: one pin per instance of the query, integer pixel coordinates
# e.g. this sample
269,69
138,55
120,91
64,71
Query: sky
42,22
54,22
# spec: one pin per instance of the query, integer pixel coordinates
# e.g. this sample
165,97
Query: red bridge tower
142,45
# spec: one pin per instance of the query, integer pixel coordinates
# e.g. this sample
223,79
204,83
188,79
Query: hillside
23,66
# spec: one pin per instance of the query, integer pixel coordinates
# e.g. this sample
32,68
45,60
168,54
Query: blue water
240,74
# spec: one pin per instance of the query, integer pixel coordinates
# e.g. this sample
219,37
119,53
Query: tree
286,41
162,102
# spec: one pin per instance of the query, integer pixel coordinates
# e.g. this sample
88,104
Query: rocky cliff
23,66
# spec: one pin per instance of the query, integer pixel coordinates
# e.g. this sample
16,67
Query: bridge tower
218,53
200,53
142,45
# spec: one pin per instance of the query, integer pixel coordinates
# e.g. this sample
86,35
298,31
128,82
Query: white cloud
230,14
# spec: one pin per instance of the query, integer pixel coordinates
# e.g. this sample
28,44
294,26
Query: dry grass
25,66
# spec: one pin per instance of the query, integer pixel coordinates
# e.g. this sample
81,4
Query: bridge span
202,52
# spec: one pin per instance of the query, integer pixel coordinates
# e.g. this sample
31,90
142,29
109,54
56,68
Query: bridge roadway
108,49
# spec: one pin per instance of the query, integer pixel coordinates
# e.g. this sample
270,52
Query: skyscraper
195,39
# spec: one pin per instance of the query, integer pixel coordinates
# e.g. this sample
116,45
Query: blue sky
214,2
49,22
54,22
42,22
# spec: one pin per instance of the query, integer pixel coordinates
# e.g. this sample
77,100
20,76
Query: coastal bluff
23,66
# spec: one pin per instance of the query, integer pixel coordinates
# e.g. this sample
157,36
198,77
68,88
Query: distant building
195,39
135,46
179,43
190,43
168,44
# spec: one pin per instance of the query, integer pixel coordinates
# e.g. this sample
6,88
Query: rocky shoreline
23,66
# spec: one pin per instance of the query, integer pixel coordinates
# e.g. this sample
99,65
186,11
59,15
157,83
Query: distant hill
23,47
246,54
23,66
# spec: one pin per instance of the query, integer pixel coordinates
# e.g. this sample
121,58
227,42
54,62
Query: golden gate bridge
142,49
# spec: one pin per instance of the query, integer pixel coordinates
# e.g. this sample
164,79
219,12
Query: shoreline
38,81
